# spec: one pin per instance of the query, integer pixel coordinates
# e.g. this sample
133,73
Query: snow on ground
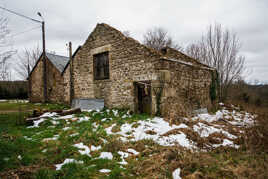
158,126
157,129
94,148
176,174
74,134
55,137
81,119
123,155
133,151
105,170
36,123
66,128
84,149
106,155
66,161
204,130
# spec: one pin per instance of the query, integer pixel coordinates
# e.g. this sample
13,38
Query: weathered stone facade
131,62
140,78
55,83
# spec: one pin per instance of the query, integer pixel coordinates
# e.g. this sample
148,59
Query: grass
15,106
28,153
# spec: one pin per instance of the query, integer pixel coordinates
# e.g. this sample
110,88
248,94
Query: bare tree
219,48
27,60
5,52
158,38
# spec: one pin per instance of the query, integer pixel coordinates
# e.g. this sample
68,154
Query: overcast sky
185,20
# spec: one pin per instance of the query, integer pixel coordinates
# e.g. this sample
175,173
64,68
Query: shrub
256,137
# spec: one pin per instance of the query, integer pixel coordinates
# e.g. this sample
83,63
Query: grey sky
186,21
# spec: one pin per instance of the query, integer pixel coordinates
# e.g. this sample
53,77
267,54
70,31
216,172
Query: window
101,66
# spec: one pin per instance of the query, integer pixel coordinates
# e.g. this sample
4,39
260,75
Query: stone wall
186,86
54,84
129,61
36,83
187,89
66,85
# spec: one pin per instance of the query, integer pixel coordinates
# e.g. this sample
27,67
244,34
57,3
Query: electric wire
21,15
23,32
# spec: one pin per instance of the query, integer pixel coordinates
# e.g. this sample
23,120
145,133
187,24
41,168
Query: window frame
105,66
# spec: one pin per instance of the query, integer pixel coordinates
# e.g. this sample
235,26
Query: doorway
143,97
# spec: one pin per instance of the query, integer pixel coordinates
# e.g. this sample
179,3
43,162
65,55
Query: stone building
127,74
55,65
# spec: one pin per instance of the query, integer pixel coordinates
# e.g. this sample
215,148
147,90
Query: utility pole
71,73
44,61
44,48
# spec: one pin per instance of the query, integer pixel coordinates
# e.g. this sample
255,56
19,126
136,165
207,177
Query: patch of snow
104,170
115,112
48,114
221,104
66,161
104,141
85,149
227,142
109,129
54,122
123,155
180,139
176,173
133,151
37,122
27,138
66,117
55,137
158,125
94,148
239,118
66,128
106,155
83,119
204,130
19,157
74,134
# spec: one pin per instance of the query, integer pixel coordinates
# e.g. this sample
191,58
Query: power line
23,32
21,15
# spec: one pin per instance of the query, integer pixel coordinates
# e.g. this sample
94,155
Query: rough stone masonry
127,74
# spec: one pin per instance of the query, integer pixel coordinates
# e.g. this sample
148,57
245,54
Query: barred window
101,66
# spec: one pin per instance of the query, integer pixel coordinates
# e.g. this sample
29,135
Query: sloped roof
58,61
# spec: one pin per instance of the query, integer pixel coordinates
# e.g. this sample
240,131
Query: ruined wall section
187,89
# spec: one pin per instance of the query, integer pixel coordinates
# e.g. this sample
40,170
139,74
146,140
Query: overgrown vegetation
31,153
13,90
